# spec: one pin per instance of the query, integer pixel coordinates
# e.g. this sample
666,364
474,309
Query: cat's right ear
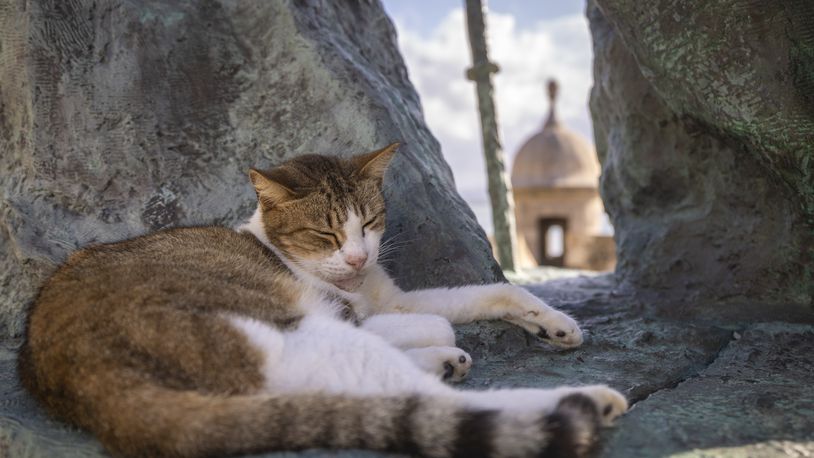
269,192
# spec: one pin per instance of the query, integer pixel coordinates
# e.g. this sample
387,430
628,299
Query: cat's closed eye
329,237
372,221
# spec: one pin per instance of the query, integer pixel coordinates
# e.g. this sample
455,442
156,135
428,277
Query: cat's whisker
384,253
395,239
389,248
390,244
385,259
389,251
385,247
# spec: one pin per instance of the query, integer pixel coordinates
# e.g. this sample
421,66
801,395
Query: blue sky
530,40
424,15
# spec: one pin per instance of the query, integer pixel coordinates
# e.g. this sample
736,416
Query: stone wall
704,123
120,117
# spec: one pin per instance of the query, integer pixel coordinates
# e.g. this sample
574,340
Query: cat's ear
269,192
374,164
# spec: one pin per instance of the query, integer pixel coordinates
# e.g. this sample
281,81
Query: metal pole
499,188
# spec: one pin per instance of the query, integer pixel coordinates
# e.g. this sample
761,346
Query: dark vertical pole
499,187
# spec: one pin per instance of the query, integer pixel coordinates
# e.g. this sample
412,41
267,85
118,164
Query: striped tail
151,421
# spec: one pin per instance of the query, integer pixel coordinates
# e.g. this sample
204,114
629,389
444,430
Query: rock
703,121
754,400
122,117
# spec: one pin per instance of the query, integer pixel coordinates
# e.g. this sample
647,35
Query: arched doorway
552,241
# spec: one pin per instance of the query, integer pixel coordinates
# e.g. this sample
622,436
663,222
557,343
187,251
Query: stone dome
555,157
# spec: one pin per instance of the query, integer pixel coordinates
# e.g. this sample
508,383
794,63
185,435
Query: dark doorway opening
552,241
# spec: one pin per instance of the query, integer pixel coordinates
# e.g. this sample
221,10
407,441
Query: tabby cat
286,334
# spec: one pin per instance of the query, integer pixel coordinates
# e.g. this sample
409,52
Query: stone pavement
730,380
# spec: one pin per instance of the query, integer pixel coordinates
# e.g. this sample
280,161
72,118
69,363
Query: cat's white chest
313,301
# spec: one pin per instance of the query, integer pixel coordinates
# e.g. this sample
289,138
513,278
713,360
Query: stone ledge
698,387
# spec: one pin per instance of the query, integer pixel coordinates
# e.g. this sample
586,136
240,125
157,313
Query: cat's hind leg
428,340
326,357
451,364
324,354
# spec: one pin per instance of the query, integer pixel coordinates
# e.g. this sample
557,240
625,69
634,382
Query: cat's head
326,214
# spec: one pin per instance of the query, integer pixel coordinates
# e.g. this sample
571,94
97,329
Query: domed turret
555,157
559,214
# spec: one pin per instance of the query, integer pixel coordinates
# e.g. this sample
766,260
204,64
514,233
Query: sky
531,40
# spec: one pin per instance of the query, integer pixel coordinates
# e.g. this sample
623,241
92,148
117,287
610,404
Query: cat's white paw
456,366
538,318
451,364
610,403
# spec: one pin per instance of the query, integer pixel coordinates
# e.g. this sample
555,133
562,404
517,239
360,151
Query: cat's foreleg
477,302
498,301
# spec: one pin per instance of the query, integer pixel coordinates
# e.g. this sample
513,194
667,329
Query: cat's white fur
405,337
425,330
328,355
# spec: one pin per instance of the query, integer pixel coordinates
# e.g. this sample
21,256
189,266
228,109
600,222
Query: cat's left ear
374,164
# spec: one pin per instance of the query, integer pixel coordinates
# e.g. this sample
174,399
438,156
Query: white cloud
559,48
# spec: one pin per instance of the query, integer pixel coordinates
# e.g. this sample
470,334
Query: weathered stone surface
120,117
704,124
754,400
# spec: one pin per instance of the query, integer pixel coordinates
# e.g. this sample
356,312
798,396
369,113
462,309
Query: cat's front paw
560,329
538,318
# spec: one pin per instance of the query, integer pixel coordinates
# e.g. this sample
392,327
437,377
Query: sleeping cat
287,334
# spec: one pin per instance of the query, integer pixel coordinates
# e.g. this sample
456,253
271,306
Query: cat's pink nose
357,261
